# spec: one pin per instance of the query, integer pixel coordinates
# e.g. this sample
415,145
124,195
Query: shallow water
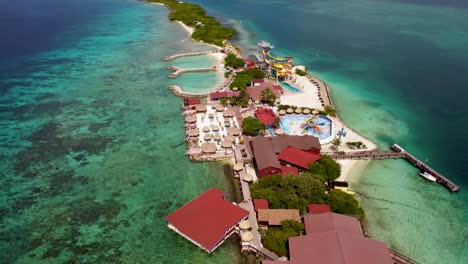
93,151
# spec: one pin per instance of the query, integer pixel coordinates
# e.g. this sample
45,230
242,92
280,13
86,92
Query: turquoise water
93,151
290,88
297,125
200,82
396,72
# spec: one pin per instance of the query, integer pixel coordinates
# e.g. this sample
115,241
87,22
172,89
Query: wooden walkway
397,152
401,259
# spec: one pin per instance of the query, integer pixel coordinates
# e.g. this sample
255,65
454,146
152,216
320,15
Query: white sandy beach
307,98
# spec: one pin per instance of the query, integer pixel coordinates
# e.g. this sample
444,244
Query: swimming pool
289,87
298,125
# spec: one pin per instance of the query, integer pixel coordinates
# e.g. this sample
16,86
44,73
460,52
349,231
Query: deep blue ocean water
87,122
92,153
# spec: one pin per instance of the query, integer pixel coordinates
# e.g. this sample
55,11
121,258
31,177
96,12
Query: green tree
291,192
343,203
300,72
223,101
329,110
276,238
252,126
255,73
327,168
268,96
336,142
232,61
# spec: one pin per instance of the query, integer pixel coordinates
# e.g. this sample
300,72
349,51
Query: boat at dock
427,176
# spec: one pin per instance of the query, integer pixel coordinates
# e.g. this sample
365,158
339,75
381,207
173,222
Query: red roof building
265,151
337,248
260,204
297,157
249,63
318,208
266,116
191,101
287,170
255,91
334,239
258,81
225,94
207,220
317,223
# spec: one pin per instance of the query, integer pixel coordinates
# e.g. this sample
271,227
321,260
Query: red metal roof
286,170
298,157
255,92
318,208
260,204
191,101
316,223
258,80
266,116
207,218
227,94
335,247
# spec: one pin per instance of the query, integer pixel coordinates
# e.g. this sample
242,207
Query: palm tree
268,96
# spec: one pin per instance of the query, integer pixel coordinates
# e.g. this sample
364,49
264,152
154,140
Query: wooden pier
396,152
401,259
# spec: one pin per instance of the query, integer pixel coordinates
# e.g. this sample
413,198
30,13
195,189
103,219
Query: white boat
427,176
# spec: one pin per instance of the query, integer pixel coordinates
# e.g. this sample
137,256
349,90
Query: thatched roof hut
200,108
209,148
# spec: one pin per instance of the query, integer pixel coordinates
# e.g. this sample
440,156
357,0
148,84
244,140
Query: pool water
289,87
297,125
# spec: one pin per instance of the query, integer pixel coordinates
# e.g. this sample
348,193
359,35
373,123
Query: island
290,152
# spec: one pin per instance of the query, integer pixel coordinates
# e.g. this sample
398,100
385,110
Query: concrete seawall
173,57
178,71
179,92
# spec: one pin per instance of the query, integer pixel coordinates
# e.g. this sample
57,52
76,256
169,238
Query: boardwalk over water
396,152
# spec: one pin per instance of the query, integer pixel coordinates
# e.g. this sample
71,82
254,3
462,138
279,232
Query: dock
395,153
401,259
189,54
179,71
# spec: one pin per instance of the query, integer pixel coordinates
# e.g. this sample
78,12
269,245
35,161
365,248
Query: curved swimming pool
299,125
289,87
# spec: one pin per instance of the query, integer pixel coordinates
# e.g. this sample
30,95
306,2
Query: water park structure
277,68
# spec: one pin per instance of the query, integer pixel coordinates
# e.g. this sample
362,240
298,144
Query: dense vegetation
242,79
276,238
296,192
232,61
327,168
290,192
252,126
209,31
343,203
300,72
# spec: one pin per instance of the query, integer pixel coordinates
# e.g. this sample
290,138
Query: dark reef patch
98,126
47,144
